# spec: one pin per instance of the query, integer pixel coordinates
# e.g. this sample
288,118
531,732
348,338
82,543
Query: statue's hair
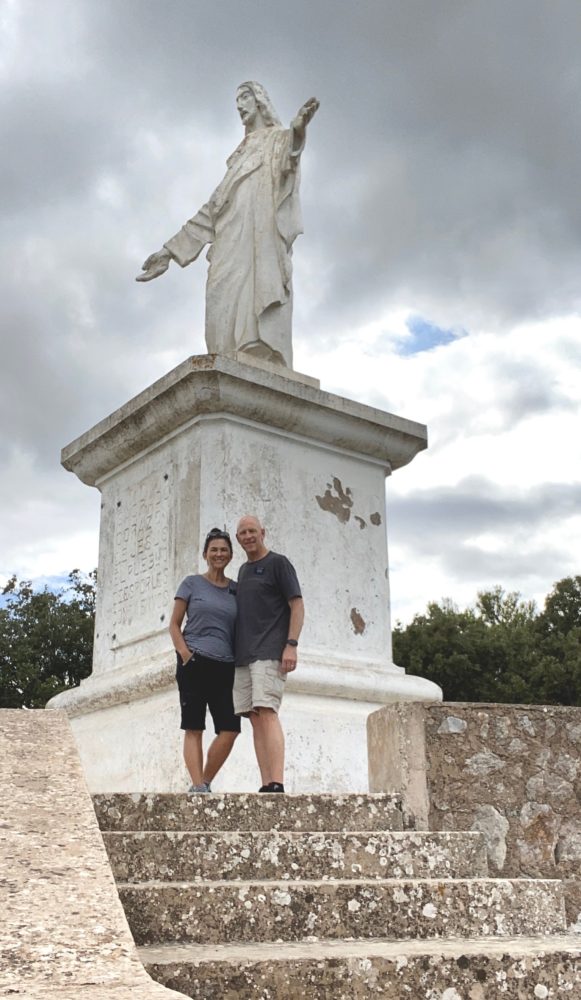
263,101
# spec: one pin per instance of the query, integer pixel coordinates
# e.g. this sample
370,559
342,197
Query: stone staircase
320,896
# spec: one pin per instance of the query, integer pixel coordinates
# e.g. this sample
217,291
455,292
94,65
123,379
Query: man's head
250,535
255,106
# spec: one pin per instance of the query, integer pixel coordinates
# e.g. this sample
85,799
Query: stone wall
510,771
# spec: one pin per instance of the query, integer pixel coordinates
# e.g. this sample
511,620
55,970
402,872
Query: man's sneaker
273,786
202,789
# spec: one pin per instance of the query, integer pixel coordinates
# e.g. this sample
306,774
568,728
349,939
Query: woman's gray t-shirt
211,617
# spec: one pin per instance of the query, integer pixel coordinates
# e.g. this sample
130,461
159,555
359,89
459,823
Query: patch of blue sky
425,336
56,584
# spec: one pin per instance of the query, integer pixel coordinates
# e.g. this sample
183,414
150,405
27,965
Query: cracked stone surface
62,926
494,828
248,811
64,935
441,970
222,911
177,856
523,762
214,912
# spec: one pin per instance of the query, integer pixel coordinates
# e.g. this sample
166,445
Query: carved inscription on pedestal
142,557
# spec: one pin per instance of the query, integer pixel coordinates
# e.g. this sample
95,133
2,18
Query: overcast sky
439,276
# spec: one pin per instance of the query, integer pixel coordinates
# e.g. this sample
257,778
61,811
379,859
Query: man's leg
218,751
259,748
268,744
193,754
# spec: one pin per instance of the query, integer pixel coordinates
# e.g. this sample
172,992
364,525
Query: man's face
250,536
247,106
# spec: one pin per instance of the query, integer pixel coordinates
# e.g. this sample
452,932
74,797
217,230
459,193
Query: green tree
562,611
493,651
46,640
558,630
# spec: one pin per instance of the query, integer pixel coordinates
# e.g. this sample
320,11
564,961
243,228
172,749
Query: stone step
179,856
249,811
217,912
479,969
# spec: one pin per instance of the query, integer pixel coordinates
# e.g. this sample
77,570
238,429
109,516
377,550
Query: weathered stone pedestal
212,440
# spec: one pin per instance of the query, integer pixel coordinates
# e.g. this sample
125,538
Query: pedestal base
136,746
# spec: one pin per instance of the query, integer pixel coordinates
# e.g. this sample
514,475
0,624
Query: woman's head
216,535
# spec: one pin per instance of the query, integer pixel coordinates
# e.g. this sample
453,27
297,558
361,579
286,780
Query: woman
205,660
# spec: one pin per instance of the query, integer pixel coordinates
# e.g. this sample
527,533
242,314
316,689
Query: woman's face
218,554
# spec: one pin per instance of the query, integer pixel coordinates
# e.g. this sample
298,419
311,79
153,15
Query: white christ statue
251,222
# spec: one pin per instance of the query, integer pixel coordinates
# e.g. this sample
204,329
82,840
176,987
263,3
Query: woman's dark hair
217,533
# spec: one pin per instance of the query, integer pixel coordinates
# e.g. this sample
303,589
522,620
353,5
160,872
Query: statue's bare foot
156,264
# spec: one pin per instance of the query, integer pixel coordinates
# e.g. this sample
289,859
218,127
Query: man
268,625
251,222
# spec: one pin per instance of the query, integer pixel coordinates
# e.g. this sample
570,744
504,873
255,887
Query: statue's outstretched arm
157,263
184,247
300,122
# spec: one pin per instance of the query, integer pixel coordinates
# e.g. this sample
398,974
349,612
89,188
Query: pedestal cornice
210,385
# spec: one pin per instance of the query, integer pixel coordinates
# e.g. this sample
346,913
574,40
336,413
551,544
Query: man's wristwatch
292,642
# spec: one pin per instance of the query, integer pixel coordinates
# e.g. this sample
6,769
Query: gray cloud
478,505
441,174
443,523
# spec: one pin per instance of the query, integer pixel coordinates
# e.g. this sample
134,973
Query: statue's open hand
305,114
156,264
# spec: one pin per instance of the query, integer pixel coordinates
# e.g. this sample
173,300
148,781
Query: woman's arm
175,629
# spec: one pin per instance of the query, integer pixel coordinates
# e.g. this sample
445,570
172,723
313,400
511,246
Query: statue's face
247,106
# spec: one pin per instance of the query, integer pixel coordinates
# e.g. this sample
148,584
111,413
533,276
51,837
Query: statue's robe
251,222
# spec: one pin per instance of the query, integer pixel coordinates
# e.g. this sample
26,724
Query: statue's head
263,102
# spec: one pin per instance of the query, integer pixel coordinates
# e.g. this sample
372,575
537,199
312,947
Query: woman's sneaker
202,789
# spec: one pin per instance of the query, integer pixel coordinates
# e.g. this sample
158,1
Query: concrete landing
63,931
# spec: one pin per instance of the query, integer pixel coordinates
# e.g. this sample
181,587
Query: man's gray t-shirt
211,620
264,589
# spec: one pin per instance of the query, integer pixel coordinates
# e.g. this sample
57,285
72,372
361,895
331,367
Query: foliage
46,640
500,649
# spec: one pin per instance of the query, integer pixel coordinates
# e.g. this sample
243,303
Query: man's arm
297,617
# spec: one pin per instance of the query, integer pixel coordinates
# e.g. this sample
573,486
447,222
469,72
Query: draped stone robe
251,222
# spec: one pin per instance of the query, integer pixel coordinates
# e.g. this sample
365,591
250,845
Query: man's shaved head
247,518
250,535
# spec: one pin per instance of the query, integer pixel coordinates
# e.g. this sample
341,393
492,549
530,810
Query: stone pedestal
212,440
